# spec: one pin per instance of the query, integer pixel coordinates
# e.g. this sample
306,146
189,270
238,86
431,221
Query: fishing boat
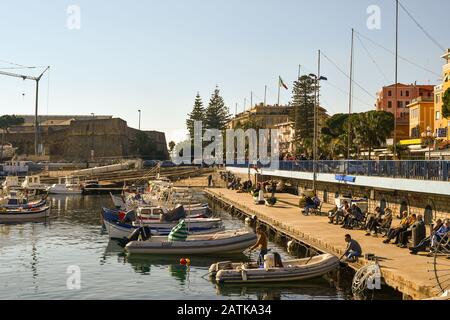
34,183
16,207
66,185
20,215
289,270
135,201
16,200
120,224
217,243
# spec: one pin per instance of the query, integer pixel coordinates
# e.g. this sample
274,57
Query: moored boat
289,270
119,224
22,215
217,243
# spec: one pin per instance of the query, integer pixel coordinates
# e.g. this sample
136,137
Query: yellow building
421,116
441,124
265,117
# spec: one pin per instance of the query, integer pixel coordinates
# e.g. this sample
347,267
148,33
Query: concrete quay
409,274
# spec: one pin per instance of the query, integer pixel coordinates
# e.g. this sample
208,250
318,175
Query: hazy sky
156,55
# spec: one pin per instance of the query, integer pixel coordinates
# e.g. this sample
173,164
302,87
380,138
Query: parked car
149,163
167,163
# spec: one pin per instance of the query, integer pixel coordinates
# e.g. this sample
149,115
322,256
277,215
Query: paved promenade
401,270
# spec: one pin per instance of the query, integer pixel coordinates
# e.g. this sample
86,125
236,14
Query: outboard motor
140,234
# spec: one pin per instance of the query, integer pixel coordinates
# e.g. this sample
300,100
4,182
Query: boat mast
350,97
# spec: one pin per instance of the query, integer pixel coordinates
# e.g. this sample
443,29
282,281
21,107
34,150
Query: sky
156,55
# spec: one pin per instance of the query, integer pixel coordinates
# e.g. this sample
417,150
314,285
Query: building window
390,93
401,93
407,93
438,98
399,104
407,102
390,104
438,115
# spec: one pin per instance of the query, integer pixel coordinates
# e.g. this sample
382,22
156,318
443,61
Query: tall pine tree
303,100
217,115
197,114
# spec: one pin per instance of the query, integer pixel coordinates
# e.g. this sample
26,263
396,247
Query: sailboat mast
350,97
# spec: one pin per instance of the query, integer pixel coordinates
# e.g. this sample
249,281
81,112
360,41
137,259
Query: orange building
387,98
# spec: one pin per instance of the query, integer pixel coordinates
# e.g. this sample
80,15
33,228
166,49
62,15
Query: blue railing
437,170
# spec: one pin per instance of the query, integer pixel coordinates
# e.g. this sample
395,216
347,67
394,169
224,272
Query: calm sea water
35,257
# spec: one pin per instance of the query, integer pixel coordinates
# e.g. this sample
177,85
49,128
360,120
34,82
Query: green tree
172,145
371,129
303,101
217,115
197,114
6,122
446,104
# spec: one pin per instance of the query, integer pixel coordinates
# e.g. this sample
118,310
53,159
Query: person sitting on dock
309,204
338,212
404,224
382,221
261,243
354,217
352,251
443,232
372,217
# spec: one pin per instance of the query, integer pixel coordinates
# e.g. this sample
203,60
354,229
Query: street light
92,137
429,137
139,119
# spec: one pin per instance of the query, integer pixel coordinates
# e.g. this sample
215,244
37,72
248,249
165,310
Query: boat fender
244,275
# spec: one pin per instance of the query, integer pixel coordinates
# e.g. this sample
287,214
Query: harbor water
37,261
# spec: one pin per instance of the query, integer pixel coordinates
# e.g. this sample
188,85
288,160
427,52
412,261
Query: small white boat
22,215
66,185
63,189
292,270
34,183
218,243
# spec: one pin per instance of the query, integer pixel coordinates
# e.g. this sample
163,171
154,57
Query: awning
410,142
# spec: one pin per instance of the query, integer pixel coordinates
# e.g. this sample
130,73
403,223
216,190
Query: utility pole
396,81
36,122
350,98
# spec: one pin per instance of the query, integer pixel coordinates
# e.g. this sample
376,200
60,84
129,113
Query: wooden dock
409,274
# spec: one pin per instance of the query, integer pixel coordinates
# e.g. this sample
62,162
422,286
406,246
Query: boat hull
118,231
29,215
160,245
316,268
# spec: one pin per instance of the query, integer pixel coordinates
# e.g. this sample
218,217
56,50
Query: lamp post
139,119
429,137
92,137
317,80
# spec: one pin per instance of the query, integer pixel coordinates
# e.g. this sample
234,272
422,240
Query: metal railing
437,170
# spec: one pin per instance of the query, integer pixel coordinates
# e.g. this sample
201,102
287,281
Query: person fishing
261,243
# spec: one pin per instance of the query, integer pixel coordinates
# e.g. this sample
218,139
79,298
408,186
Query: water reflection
34,258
